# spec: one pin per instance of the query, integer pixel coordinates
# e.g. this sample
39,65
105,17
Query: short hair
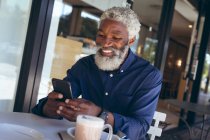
126,16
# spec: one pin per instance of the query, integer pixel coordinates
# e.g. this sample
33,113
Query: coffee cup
90,128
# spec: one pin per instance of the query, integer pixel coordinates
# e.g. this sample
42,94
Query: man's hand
78,106
52,105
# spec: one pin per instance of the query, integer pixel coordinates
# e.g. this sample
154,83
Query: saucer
71,132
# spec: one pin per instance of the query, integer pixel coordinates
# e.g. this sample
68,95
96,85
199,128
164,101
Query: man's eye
100,35
117,38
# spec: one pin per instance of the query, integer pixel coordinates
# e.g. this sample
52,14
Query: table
193,107
48,127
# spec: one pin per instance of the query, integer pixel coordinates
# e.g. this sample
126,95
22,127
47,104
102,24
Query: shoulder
140,62
147,70
85,61
82,66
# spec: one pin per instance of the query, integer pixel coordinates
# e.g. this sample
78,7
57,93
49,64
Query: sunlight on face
112,42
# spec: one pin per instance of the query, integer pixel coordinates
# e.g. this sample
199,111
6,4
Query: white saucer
71,131
13,132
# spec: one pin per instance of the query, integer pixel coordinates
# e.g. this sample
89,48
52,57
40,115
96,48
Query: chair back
155,130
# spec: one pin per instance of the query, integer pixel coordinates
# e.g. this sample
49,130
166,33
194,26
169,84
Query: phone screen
63,87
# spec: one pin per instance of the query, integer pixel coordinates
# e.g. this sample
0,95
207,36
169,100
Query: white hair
126,16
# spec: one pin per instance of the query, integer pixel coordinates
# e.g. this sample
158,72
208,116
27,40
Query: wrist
104,115
100,112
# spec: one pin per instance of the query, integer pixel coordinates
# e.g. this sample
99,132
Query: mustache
111,48
114,50
105,48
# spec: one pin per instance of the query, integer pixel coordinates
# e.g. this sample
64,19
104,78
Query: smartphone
63,87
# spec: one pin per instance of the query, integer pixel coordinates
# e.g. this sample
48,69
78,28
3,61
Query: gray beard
111,63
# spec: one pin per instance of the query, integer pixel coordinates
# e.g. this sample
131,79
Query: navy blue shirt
130,93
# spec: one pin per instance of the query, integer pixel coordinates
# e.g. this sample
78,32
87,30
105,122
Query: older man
115,84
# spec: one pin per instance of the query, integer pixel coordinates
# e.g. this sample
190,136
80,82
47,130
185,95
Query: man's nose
108,42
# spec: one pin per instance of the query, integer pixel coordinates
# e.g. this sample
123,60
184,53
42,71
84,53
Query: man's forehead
113,31
114,26
111,22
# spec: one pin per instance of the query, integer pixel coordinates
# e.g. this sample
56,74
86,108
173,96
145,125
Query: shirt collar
128,61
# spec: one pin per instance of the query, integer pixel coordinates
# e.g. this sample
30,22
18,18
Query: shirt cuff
38,109
118,121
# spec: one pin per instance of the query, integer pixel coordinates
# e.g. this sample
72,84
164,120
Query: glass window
73,30
149,13
180,43
14,16
72,36
204,87
204,93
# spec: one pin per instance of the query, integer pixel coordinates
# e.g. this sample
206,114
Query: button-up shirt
130,93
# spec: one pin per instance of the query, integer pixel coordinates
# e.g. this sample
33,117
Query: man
114,83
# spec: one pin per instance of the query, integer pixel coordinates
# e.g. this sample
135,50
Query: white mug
90,128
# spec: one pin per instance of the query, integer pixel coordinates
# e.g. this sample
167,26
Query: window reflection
148,51
72,36
14,16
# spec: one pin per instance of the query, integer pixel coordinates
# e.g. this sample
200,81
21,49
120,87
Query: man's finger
67,113
84,105
55,95
73,102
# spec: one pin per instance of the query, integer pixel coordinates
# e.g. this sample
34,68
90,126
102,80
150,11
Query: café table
193,107
48,127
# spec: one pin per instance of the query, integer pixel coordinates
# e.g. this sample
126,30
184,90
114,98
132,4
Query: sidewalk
172,119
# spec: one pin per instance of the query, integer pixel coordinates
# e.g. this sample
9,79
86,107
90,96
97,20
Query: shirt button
111,75
106,93
122,71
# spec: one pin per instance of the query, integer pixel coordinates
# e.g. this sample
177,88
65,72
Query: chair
155,130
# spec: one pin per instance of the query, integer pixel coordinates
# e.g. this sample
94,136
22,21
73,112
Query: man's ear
131,41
